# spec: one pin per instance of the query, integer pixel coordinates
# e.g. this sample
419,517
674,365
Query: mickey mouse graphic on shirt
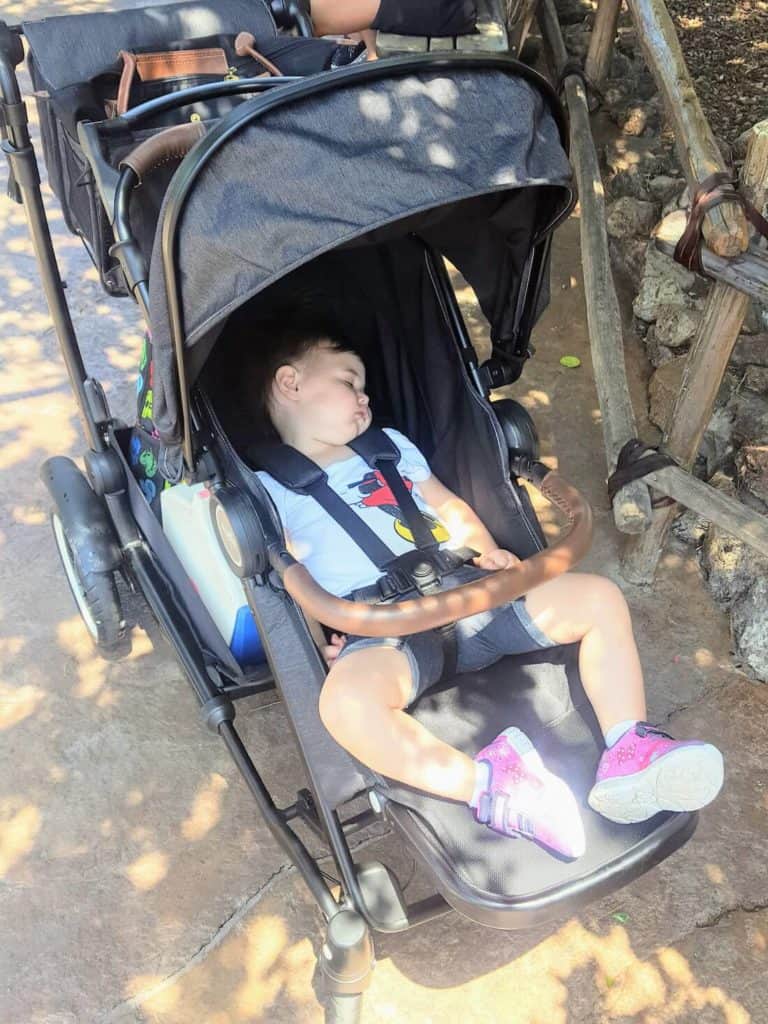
377,494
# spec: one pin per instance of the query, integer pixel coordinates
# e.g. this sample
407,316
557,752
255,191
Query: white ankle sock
482,781
617,731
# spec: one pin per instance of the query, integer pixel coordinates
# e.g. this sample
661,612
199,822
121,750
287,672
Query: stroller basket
75,69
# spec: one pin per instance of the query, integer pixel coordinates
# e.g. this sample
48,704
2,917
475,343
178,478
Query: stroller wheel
343,1009
95,593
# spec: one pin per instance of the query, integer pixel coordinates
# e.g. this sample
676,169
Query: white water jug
187,525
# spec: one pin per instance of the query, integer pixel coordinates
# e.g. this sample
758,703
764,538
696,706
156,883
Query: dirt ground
139,885
725,43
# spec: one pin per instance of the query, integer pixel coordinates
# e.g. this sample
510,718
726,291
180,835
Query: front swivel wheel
95,593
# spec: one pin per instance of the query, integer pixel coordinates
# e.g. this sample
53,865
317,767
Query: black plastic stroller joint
347,957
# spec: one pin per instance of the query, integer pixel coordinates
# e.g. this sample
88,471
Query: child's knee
606,598
353,691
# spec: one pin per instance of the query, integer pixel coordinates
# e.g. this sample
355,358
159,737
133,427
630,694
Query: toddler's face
330,397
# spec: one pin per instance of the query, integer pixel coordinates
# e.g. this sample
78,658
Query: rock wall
644,182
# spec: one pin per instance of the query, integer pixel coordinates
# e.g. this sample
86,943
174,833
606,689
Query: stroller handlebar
435,610
171,144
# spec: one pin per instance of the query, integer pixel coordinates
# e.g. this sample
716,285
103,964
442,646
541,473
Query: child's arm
464,525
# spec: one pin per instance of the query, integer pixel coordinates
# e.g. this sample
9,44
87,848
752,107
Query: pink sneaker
523,798
646,771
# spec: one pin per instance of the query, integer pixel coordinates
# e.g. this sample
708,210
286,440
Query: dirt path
139,884
725,43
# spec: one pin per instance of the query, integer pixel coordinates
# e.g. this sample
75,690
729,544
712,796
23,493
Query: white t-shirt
318,542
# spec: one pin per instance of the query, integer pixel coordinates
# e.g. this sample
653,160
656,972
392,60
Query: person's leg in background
340,17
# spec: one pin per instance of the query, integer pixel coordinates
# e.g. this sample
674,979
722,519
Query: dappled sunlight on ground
206,810
251,966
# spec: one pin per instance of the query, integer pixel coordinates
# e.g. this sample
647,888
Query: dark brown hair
280,341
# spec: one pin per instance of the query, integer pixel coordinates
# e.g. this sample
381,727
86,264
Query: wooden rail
631,506
748,272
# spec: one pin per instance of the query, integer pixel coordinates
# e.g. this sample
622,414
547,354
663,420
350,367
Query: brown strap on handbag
717,188
168,64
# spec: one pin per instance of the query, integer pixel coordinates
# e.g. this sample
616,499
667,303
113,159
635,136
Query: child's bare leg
642,771
338,17
361,705
506,784
592,609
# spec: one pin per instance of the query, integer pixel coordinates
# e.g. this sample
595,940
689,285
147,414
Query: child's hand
332,650
496,559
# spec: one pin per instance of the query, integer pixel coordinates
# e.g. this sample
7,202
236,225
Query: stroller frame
370,899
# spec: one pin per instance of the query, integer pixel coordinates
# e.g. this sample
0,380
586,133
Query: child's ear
286,381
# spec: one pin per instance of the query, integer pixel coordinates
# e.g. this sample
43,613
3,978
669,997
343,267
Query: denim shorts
481,639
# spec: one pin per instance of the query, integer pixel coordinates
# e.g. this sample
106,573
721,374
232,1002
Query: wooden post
631,506
520,15
725,227
704,371
601,40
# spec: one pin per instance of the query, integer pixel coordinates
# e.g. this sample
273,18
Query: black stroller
354,183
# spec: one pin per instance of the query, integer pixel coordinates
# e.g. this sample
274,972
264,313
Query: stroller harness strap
303,476
420,570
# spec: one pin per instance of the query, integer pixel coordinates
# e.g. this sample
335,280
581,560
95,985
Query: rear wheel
343,1009
95,593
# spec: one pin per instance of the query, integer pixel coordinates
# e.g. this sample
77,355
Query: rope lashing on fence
633,463
722,187
573,66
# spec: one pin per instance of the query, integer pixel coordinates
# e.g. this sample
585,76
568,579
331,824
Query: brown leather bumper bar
436,610
171,144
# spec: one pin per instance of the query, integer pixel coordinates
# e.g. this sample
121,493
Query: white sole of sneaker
685,779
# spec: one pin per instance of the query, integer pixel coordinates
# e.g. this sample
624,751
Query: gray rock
717,441
613,96
730,566
690,528
626,40
623,67
751,348
664,283
752,470
657,353
750,416
749,619
665,187
756,379
639,156
628,217
628,256
577,40
676,326
571,12
640,119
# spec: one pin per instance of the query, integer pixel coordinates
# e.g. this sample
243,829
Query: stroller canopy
468,154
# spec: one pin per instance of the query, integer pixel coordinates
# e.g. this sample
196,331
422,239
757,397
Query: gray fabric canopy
320,171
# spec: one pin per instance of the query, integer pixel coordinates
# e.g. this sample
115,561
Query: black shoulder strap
381,452
298,473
